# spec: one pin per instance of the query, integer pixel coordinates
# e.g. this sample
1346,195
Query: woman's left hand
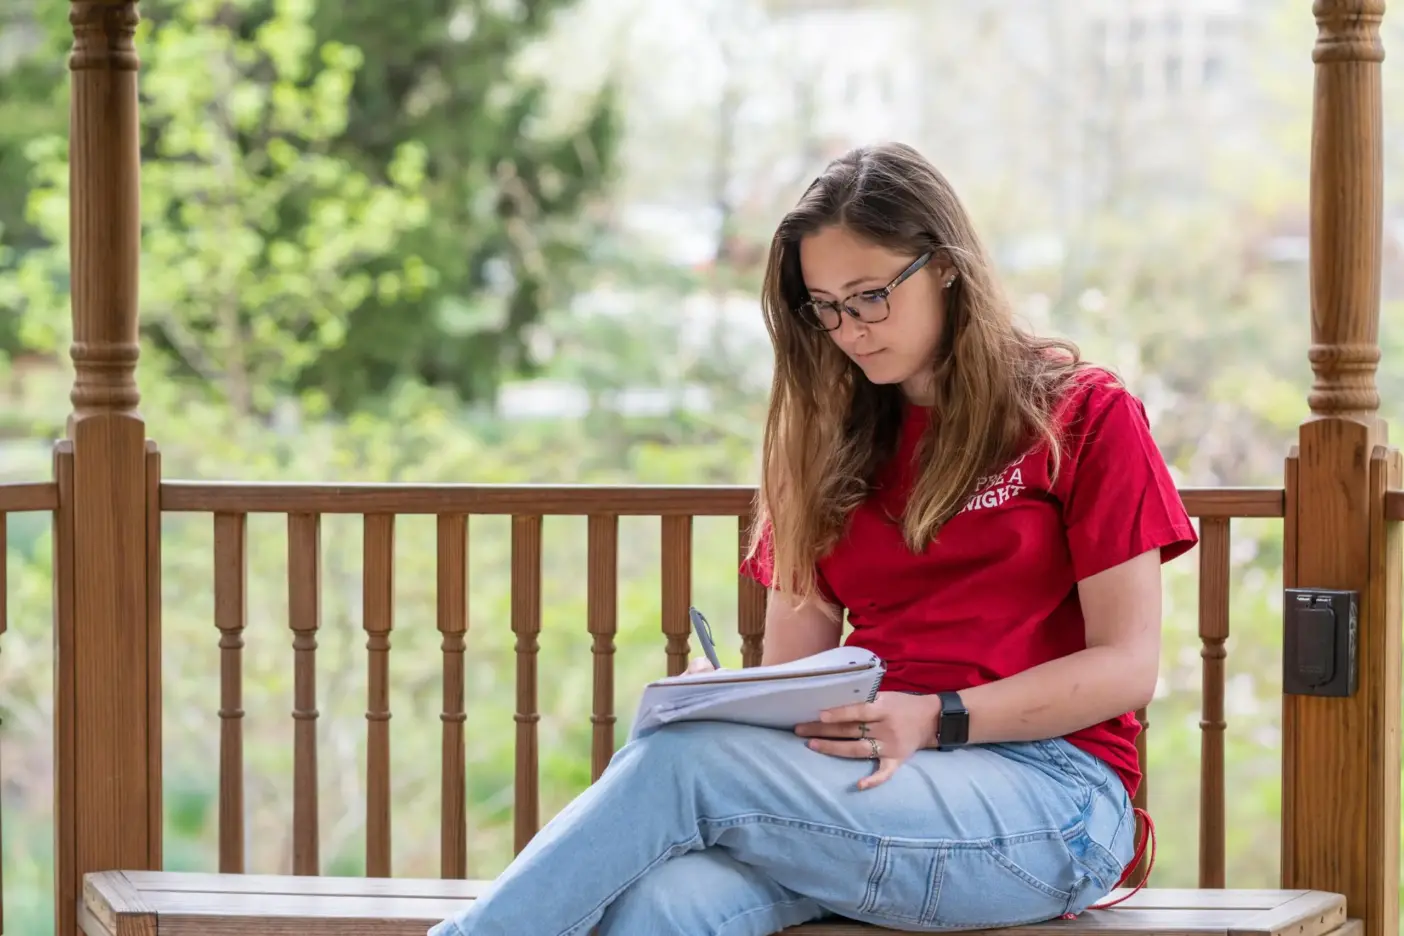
889,729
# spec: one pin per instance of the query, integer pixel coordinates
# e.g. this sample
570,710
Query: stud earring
949,283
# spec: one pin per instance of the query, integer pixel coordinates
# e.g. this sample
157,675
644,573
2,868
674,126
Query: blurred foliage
256,238
284,132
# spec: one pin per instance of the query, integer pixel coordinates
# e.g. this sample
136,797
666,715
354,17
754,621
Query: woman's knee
701,746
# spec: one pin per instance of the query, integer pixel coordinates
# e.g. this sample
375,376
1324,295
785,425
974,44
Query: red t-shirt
996,593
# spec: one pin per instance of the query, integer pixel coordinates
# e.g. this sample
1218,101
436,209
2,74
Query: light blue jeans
708,829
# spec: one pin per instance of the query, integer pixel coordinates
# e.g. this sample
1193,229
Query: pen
703,630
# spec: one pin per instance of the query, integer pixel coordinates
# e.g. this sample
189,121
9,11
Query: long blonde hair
829,429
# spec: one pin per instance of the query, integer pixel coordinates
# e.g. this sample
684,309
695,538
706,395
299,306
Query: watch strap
953,725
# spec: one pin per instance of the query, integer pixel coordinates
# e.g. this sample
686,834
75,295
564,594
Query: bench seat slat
1163,898
148,882
196,904
1092,922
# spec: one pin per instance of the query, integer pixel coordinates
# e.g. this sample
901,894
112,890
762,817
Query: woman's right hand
699,665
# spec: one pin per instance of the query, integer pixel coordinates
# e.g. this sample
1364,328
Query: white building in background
1083,99
1169,53
1176,87
849,63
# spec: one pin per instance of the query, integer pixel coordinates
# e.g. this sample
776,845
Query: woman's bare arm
794,632
1115,674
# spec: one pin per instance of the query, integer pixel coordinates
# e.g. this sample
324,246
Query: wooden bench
149,903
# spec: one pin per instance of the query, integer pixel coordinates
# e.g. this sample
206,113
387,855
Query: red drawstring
1147,839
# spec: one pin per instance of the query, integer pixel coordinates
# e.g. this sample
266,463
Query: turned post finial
1346,209
104,213
1348,31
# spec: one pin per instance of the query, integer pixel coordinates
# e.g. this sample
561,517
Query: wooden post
107,682
1340,804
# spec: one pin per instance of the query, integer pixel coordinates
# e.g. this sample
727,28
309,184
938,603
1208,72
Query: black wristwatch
953,725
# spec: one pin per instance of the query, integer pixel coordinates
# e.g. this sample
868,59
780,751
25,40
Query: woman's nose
850,329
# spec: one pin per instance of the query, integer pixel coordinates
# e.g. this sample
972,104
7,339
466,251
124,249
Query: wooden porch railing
452,505
304,505
230,504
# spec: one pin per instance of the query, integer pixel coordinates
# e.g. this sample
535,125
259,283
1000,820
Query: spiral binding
877,680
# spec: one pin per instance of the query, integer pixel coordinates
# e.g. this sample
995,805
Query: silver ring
877,748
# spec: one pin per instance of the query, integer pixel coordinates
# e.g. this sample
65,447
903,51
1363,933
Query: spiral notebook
779,696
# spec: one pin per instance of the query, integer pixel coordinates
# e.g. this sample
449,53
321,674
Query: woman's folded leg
982,836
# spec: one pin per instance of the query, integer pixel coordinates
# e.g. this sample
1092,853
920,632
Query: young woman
992,513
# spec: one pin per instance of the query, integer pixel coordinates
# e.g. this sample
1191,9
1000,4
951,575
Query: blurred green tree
419,99
255,235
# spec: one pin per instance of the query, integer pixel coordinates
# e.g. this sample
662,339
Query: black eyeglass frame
808,310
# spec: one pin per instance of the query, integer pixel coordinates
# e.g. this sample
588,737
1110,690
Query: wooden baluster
677,589
602,619
231,615
4,569
1142,798
378,596
750,600
1213,631
526,624
4,593
453,625
304,610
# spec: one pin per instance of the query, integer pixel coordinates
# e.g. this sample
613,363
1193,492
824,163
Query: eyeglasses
868,307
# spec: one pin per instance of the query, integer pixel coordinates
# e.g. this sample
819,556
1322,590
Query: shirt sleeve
760,566
1119,499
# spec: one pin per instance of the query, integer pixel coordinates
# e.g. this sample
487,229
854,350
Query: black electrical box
1319,627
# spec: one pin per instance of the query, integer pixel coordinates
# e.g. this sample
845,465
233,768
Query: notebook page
683,695
837,659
